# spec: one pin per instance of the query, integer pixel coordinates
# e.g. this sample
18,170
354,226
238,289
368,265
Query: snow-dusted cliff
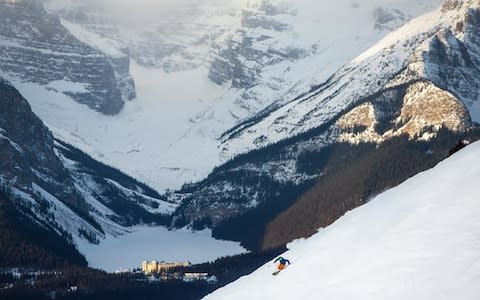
62,188
36,48
440,47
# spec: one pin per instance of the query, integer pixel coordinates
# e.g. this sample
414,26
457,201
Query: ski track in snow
420,240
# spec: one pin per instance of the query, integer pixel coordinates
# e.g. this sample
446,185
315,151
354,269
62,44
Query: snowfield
420,240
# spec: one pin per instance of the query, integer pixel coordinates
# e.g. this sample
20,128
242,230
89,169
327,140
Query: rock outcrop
35,47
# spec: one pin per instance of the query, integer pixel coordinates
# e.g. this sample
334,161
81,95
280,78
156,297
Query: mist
140,12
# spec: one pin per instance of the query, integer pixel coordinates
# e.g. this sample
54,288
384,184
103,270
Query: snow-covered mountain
282,48
88,204
419,240
264,91
62,188
234,59
420,80
440,47
155,34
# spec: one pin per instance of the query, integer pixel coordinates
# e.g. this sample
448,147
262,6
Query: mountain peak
458,4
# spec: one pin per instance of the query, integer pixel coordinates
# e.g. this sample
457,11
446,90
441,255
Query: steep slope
36,48
20,238
355,183
29,164
419,240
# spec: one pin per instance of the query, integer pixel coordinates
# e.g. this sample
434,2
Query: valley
218,133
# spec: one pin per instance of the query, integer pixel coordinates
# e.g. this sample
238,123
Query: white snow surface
155,243
420,240
12,143
62,215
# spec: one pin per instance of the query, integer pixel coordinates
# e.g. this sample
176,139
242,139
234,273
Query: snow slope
420,240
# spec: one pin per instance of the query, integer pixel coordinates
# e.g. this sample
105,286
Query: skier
282,264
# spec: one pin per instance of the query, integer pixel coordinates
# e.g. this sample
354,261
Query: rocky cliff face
241,60
173,42
36,48
423,110
28,155
42,187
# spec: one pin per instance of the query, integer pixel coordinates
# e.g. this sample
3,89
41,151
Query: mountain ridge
303,113
407,102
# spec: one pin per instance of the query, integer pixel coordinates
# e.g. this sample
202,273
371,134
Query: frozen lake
156,243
